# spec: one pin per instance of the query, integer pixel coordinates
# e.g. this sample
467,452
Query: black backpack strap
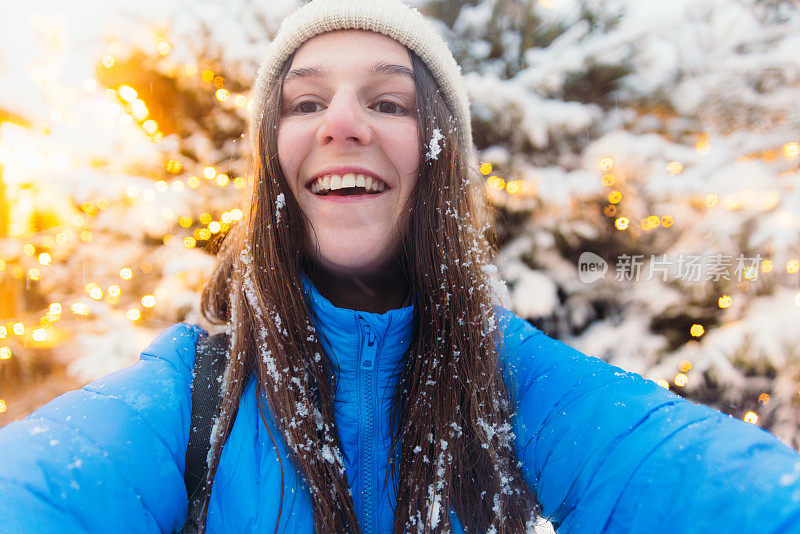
209,365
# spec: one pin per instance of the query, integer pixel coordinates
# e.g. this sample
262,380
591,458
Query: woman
373,384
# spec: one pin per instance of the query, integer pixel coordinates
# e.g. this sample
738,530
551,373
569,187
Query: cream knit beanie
390,17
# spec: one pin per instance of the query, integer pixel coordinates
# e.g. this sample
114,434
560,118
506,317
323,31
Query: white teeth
349,180
332,182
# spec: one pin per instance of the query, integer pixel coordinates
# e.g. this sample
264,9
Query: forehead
340,50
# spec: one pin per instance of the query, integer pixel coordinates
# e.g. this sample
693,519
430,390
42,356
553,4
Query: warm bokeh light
724,301
148,301
209,172
685,366
486,168
674,167
681,380
751,417
79,308
606,164
5,353
114,290
40,334
126,273
697,330
621,223
663,383
134,314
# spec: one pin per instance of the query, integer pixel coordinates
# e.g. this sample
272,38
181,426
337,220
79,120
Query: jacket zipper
367,380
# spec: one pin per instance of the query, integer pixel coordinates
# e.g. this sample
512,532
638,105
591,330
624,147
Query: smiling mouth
347,185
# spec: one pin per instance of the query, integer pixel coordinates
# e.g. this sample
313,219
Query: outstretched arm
609,451
109,456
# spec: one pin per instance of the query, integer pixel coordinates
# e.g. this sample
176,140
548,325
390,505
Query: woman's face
348,118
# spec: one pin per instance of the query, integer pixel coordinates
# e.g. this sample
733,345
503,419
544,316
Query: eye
392,108
305,107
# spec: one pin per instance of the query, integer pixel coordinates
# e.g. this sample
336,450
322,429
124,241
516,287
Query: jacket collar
345,331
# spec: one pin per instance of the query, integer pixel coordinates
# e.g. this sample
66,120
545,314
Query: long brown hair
451,411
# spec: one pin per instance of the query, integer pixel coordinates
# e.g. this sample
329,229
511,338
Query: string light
236,214
621,223
615,197
33,274
189,242
5,353
127,93
697,330
96,293
213,227
685,366
724,301
163,48
513,187
240,101
148,301
222,95
496,182
18,328
55,308
222,180
134,314
791,150
486,168
3,406
3,332
44,258
126,273
239,182
114,290
763,399
792,266
193,182
666,221
40,334
674,167
108,62
608,179
28,249
610,210
606,164
174,166
209,172
663,383
161,186
681,380
751,417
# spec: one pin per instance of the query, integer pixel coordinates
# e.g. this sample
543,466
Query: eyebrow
325,72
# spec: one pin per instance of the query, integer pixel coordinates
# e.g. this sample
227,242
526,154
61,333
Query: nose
344,122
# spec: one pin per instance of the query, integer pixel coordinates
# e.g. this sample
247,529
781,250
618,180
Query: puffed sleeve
108,456
609,451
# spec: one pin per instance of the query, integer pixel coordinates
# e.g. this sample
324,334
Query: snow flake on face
433,146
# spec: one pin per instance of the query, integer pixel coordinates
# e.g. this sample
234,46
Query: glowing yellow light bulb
208,76
174,166
513,187
127,93
189,242
486,168
666,221
185,221
148,301
674,167
724,301
222,95
621,223
204,234
86,236
150,126
791,150
697,330
681,379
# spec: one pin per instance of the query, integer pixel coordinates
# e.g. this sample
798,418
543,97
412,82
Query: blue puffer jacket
605,450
